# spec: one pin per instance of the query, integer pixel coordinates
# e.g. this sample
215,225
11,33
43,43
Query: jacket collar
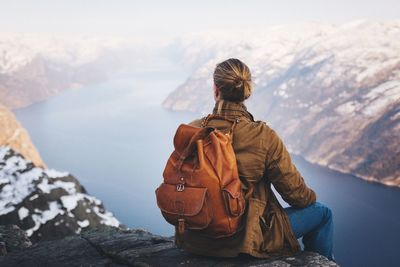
231,109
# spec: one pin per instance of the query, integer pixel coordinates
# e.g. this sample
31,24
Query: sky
156,19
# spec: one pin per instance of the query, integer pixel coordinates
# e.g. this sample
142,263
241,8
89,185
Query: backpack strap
249,185
219,117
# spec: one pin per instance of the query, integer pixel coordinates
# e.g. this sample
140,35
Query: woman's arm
283,174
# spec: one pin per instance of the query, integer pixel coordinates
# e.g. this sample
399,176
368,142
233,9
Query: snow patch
23,213
70,202
55,174
3,152
42,216
83,224
19,182
348,108
380,97
46,187
35,196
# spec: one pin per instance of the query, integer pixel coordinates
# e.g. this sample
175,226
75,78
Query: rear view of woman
263,160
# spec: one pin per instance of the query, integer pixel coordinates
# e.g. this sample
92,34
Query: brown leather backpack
201,190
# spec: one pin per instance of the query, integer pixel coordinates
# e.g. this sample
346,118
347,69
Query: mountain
45,203
332,92
34,66
12,134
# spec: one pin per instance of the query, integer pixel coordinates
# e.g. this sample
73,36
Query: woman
262,158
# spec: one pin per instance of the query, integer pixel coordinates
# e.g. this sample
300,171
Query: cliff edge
110,246
12,134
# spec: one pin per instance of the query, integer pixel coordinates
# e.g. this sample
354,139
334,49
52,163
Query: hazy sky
173,17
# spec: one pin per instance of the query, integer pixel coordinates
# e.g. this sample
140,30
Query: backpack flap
185,203
185,140
183,135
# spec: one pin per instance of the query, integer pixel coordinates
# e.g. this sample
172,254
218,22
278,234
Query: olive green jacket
263,160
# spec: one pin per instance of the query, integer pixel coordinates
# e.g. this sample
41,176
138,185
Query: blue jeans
315,224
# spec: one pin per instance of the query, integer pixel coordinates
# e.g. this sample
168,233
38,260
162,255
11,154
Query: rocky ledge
111,246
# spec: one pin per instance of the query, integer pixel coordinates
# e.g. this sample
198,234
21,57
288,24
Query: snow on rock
54,174
41,217
70,201
47,204
23,213
84,223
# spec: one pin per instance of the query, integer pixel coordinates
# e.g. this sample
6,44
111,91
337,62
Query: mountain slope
12,134
45,203
34,67
331,92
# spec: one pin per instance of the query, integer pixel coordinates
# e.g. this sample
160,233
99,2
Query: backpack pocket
189,204
233,198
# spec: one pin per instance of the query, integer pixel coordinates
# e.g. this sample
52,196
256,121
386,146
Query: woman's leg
314,223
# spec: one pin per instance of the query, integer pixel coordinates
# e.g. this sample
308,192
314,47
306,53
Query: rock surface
110,246
12,238
12,134
332,92
45,203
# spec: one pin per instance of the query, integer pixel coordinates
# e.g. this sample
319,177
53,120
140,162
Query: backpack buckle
180,187
181,226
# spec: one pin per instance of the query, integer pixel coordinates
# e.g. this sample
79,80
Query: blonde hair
233,78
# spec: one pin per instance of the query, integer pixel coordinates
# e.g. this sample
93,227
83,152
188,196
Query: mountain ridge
331,92
34,66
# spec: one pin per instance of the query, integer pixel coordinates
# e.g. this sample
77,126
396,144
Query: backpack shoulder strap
219,117
234,121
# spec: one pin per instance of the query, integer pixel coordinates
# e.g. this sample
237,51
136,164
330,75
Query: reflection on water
115,138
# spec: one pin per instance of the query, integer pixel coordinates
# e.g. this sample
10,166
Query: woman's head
233,80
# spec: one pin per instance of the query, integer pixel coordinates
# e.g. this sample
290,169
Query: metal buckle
180,187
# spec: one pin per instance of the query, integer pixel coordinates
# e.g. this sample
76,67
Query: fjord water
115,138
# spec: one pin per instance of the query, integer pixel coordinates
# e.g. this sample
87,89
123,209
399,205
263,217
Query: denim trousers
315,224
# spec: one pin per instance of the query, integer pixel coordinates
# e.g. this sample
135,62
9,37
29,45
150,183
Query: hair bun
233,78
239,83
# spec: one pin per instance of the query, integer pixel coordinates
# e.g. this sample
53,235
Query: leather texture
202,191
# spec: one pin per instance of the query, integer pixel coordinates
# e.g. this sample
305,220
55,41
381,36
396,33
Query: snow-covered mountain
47,204
36,66
331,91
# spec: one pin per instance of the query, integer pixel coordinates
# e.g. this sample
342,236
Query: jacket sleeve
284,176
